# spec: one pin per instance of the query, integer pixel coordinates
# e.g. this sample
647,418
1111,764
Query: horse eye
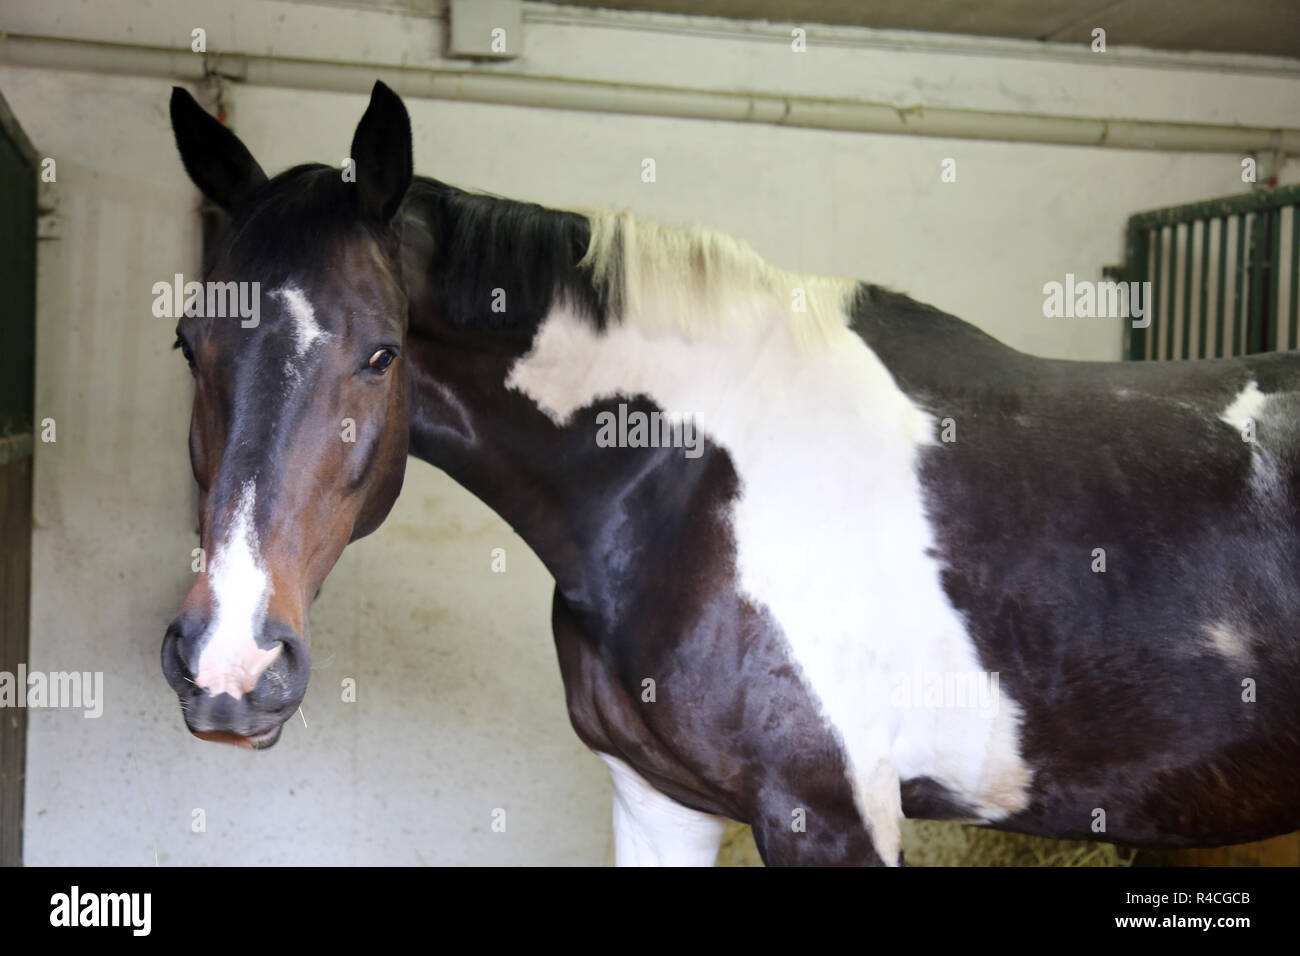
382,358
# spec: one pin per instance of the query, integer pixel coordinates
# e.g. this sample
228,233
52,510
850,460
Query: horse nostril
175,659
284,682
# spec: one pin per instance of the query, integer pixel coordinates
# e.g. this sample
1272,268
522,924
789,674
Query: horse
824,557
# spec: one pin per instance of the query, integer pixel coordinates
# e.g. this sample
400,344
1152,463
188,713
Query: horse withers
824,556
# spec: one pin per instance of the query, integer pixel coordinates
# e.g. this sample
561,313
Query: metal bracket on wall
212,92
1270,168
1269,162
486,29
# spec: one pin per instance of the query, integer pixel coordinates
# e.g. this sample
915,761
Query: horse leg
651,829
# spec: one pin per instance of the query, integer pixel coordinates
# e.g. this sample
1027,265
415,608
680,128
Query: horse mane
487,249
609,266
605,265
696,280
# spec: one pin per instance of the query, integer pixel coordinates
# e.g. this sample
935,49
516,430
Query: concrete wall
460,708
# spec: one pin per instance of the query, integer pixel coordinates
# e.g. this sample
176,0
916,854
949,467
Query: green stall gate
18,184
1223,276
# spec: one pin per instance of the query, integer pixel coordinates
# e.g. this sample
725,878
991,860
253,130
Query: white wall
461,709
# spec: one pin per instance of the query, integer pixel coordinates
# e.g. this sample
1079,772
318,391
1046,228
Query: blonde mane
696,280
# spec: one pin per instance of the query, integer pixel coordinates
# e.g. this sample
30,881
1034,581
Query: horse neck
538,467
566,497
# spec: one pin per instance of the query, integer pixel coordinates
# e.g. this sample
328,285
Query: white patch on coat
305,328
830,528
1248,409
231,661
1229,642
1245,408
651,829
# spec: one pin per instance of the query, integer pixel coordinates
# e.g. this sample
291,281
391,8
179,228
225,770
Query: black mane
483,243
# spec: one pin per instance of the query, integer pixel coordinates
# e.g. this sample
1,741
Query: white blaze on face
306,330
831,531
231,662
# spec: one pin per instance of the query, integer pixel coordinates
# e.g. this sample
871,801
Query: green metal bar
1219,318
1157,241
1292,340
1187,290
1137,257
1133,270
1171,282
1171,328
1203,349
1275,338
1258,256
1226,206
1239,289
1271,307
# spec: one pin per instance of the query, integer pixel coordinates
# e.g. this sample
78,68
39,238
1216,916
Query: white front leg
651,829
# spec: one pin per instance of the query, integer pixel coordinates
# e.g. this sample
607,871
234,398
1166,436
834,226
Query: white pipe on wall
645,100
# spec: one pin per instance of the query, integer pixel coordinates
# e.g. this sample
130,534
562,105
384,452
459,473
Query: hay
933,843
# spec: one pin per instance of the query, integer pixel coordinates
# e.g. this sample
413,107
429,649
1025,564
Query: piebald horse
901,570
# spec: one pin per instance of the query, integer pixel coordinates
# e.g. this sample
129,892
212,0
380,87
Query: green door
18,178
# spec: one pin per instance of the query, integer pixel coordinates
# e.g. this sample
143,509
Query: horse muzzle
234,704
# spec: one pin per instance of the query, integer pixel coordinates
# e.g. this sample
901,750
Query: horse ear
381,150
220,165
